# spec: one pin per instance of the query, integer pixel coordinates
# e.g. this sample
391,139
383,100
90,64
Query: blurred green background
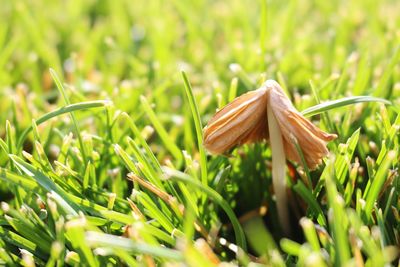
121,49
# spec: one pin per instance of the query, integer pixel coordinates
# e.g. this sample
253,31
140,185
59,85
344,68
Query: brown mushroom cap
244,120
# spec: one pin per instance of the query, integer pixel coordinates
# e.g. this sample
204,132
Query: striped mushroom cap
244,120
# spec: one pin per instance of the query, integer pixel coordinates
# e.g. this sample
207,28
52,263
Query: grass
103,105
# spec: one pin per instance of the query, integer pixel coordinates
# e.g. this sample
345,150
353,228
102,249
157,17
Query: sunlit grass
101,157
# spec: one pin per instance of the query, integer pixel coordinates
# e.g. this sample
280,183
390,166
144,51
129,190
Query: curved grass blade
326,106
301,189
180,176
47,184
60,111
198,126
73,118
120,243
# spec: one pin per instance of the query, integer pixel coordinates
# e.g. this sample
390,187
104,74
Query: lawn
103,105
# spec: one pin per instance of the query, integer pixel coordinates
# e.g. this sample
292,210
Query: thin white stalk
278,170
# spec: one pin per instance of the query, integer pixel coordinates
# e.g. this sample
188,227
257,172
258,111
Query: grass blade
60,111
96,239
165,138
47,184
320,108
240,238
336,203
198,127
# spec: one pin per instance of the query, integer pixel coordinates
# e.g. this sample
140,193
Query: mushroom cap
244,120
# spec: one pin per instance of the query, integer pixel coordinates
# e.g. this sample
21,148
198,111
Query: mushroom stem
278,170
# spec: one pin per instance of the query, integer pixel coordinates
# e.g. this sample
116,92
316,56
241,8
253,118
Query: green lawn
102,109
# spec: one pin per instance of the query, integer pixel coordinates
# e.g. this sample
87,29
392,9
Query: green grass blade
76,235
17,240
60,111
165,138
96,239
198,127
240,238
74,121
301,189
47,184
326,106
371,196
339,230
142,141
382,89
310,233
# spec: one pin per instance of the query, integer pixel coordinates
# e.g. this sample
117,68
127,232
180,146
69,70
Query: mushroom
267,113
